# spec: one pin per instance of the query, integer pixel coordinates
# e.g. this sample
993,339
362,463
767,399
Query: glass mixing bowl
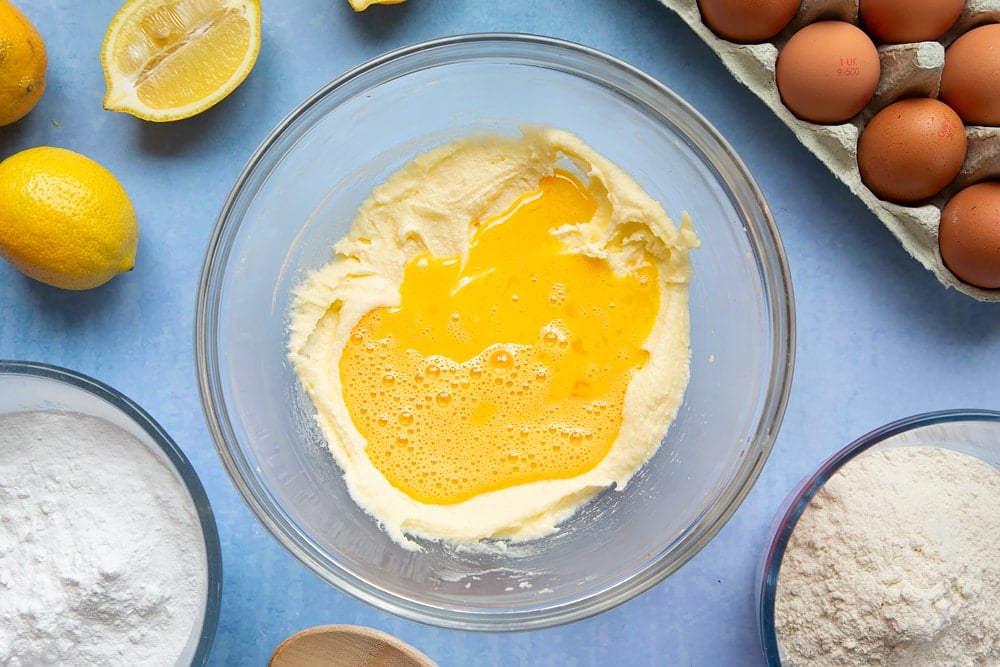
27,386
972,432
297,196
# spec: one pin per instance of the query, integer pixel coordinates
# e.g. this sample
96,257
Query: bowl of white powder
887,554
109,553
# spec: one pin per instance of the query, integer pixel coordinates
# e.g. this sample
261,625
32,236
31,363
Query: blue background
879,338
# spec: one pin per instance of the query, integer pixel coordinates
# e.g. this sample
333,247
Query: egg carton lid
912,69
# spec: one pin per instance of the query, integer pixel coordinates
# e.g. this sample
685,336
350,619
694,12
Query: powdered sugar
102,559
895,562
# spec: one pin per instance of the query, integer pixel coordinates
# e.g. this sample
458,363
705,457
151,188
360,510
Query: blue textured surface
878,337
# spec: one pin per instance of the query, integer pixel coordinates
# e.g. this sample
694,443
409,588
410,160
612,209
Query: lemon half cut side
167,60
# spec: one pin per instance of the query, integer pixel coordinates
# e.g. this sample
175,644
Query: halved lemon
362,5
166,60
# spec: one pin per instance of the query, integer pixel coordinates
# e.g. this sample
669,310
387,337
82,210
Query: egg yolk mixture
506,368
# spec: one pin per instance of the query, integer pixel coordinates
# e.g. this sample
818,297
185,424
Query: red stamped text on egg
849,66
946,130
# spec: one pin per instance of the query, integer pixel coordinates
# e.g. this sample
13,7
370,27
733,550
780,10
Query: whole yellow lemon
23,62
64,219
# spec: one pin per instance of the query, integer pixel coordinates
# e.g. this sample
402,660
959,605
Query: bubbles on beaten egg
438,429
506,369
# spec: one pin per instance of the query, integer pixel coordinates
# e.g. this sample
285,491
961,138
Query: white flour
102,560
896,561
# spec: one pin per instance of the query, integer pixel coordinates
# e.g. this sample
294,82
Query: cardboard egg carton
907,70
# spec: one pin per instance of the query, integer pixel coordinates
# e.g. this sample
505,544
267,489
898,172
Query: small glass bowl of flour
890,553
109,553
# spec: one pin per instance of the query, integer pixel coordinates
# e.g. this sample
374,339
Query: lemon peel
23,64
65,220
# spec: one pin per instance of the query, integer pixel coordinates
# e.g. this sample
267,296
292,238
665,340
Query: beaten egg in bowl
502,333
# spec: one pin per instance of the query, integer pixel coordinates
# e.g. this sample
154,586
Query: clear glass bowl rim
178,459
727,167
797,501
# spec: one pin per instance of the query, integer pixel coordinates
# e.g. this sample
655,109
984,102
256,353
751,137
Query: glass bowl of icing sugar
109,552
887,553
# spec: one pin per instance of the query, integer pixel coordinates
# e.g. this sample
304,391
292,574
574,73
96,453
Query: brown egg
970,80
969,235
911,149
899,21
747,21
827,72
